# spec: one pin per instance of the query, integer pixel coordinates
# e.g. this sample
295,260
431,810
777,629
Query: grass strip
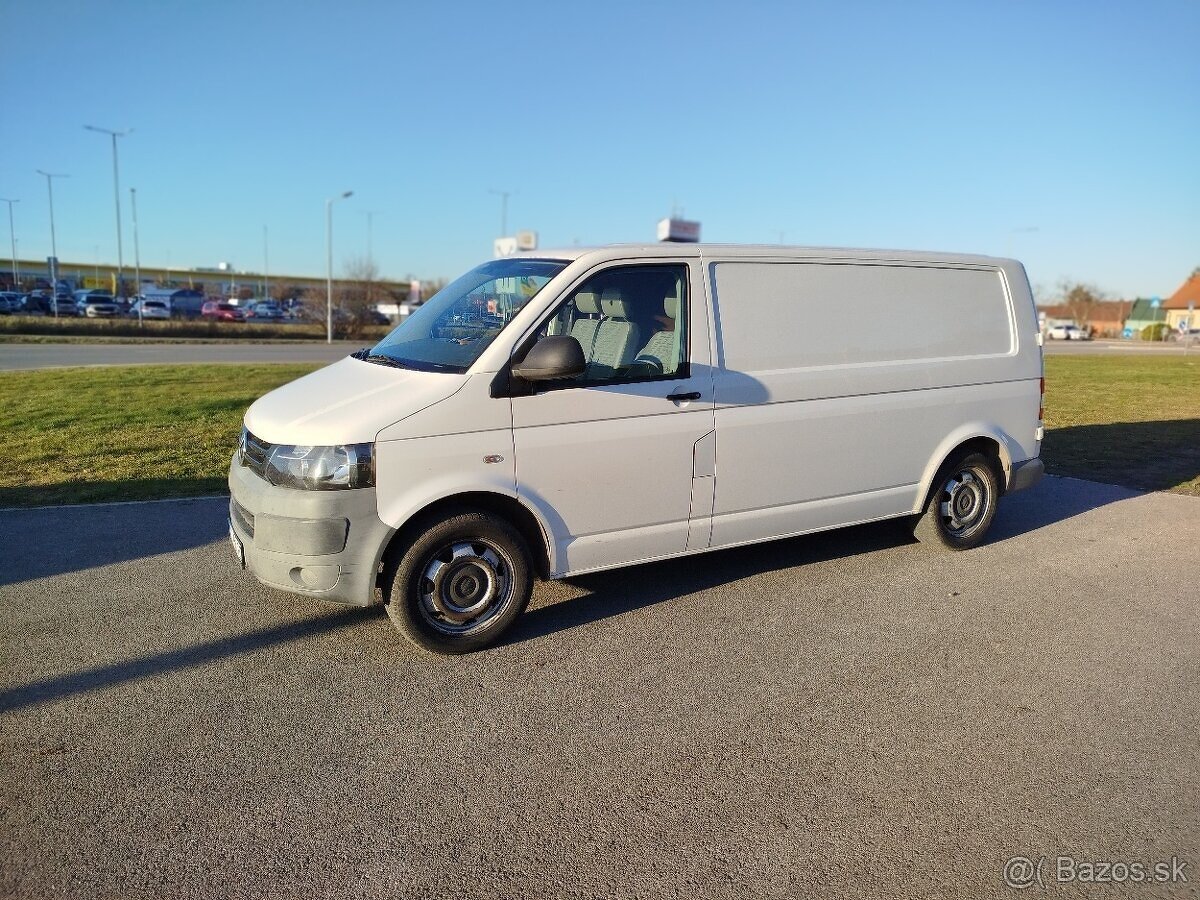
124,433
48,327
1125,420
122,339
151,432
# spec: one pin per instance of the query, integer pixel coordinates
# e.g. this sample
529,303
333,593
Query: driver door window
631,323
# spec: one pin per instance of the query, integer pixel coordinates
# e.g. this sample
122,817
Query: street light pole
504,195
329,264
50,176
137,257
369,270
12,233
370,214
266,268
117,197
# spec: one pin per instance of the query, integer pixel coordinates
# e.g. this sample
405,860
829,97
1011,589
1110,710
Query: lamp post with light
50,176
117,195
12,233
329,264
137,258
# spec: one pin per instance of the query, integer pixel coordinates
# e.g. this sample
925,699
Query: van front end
305,519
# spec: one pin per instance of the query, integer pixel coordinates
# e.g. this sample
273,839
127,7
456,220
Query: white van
560,412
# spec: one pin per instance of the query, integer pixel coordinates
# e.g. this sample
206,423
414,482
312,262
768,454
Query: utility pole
13,237
370,214
266,267
117,197
50,176
137,257
504,195
329,264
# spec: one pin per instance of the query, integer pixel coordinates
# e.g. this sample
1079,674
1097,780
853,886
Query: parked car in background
183,303
96,304
63,305
1065,333
150,309
220,311
100,307
8,303
264,309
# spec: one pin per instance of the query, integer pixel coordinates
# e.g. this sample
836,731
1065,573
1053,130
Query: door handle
679,398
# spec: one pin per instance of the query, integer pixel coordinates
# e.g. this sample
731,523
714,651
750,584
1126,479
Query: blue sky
1065,134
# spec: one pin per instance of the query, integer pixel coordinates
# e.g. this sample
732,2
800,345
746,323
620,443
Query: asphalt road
46,356
845,715
50,356
1121,347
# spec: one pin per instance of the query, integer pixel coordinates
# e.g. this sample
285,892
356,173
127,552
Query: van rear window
798,315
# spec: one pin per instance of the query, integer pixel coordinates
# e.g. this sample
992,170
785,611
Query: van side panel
838,383
789,315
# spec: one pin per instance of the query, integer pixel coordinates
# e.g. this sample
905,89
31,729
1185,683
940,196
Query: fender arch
985,437
511,507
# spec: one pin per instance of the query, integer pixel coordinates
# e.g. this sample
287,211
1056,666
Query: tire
460,582
961,504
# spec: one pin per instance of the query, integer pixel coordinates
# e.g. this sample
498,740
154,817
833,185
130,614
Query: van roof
758,251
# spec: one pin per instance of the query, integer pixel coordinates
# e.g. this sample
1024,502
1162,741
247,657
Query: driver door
619,460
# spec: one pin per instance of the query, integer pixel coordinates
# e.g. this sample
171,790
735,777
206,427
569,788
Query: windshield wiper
379,358
426,366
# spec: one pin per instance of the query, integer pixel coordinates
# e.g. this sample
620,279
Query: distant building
1176,306
1144,313
1107,317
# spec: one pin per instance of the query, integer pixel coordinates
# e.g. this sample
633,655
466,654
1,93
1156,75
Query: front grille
254,454
243,517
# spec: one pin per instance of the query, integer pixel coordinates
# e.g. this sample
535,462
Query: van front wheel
461,582
961,504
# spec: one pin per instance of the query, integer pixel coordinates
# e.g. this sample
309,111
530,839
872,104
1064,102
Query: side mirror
553,357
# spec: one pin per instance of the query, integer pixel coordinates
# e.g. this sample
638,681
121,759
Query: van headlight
309,468
321,468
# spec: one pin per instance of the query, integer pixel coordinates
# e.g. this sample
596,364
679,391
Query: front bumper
325,544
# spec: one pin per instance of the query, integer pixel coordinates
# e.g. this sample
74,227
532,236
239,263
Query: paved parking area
845,715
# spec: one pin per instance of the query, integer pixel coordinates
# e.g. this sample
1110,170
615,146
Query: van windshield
453,328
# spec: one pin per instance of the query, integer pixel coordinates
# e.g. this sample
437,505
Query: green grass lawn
149,432
1132,420
47,329
124,433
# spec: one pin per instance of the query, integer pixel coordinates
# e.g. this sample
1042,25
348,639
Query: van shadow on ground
616,592
101,535
154,665
40,543
1149,456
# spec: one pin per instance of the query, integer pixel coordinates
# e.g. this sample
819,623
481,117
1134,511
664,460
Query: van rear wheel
961,505
460,583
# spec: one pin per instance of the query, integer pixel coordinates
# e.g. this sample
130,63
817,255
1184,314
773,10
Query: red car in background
221,312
